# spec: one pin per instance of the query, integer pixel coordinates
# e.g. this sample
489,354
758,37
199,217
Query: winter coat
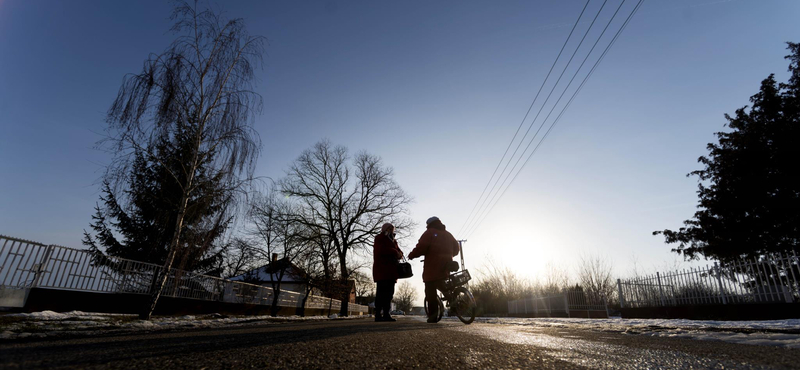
385,256
439,247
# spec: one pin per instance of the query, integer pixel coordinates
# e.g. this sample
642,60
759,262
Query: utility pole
461,252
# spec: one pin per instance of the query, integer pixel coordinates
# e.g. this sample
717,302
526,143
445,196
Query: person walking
385,255
439,247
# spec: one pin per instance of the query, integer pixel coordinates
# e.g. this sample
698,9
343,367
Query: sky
437,90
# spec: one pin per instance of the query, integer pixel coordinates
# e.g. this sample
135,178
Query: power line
577,71
636,8
558,118
481,208
485,204
526,114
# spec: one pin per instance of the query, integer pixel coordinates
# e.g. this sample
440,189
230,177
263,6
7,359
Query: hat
431,220
386,226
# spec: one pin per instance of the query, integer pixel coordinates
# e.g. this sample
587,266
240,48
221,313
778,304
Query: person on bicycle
439,247
385,256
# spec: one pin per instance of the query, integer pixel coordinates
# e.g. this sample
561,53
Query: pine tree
144,219
749,188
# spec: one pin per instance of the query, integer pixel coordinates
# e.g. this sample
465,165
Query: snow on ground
782,333
49,324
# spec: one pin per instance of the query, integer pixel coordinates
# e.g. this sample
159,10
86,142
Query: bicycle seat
452,266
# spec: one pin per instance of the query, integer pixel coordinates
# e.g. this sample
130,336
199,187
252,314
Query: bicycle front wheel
464,304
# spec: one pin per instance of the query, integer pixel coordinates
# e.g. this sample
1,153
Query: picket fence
27,264
570,303
768,279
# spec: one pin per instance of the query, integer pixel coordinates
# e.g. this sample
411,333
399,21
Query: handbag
404,269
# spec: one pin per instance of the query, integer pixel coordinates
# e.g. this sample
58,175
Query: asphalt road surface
408,343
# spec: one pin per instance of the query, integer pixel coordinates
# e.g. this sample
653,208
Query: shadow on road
126,347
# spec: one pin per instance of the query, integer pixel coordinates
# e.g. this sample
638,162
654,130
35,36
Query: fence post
660,288
621,297
40,269
719,282
566,302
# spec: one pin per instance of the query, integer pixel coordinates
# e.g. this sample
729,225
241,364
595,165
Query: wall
40,299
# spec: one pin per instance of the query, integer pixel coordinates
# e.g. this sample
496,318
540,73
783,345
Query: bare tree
313,275
198,92
365,287
405,296
556,279
240,256
495,285
595,276
280,236
345,200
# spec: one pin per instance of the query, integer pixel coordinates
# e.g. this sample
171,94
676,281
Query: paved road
408,343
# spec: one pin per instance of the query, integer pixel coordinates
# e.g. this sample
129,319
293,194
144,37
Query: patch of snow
50,315
49,323
782,333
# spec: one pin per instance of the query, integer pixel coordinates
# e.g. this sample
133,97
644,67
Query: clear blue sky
435,88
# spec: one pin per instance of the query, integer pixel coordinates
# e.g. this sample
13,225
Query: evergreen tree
749,188
140,226
188,114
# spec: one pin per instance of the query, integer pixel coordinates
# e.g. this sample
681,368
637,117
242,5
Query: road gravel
408,343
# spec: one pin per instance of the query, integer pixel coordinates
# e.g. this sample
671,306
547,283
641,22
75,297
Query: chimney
274,257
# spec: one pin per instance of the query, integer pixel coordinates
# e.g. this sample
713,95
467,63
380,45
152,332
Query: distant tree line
495,285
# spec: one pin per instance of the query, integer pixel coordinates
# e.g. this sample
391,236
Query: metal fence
570,303
768,279
27,264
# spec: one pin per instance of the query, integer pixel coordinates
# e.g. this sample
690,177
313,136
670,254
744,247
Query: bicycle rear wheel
464,303
441,308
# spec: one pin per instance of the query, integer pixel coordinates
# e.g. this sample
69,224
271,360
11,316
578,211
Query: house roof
270,273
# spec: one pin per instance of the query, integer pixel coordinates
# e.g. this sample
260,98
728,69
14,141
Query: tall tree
279,235
405,296
198,93
313,272
346,200
749,188
365,287
145,226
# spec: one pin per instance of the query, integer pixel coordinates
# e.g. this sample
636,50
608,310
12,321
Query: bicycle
458,298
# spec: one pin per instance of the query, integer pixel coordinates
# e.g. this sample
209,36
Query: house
294,279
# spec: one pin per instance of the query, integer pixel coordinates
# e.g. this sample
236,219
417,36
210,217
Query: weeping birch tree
196,95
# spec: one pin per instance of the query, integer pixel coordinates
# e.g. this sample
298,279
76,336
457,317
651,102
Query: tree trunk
173,247
301,311
276,290
345,293
345,299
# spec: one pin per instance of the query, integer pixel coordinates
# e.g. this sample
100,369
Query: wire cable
485,204
533,139
526,115
558,118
